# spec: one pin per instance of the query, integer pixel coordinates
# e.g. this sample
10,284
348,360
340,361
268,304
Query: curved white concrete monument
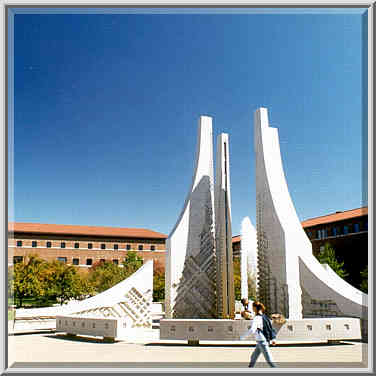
286,267
190,287
248,255
130,298
291,280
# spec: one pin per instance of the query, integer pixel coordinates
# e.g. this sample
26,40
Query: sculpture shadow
78,338
307,344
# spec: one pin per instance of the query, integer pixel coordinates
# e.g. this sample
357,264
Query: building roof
336,217
236,238
39,228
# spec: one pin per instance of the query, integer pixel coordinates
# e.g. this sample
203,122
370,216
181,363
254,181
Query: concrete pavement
53,350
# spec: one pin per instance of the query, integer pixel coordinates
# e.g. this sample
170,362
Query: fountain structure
290,281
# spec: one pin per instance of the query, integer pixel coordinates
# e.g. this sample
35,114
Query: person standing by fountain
263,332
245,313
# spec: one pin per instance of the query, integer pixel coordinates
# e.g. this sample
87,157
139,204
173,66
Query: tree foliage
46,282
63,282
28,278
237,278
328,256
103,275
131,263
252,288
10,282
158,282
251,279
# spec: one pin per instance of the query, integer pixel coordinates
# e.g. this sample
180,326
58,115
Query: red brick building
345,231
82,245
347,234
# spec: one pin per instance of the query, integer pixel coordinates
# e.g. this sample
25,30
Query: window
48,244
345,229
75,261
334,231
17,259
356,227
103,246
366,226
115,261
140,247
34,243
19,243
62,259
76,245
128,247
309,234
90,246
89,261
318,234
116,247
62,245
152,247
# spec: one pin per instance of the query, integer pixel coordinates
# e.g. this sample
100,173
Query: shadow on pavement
78,338
324,344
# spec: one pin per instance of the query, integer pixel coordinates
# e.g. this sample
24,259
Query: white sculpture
248,255
291,280
190,287
131,298
199,268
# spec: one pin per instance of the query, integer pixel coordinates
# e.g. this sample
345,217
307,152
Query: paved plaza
57,350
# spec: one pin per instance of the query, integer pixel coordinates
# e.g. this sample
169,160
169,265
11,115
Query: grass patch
34,303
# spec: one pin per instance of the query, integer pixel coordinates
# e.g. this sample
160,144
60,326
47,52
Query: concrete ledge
108,328
305,330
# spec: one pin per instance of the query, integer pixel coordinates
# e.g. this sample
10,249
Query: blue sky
106,109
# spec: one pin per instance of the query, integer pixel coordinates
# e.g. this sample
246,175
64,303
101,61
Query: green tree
364,283
328,256
158,282
237,278
28,281
252,286
131,263
237,282
103,275
63,282
10,282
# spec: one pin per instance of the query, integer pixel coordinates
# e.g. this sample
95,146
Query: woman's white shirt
256,324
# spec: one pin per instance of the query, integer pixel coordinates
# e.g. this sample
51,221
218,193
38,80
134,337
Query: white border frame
190,3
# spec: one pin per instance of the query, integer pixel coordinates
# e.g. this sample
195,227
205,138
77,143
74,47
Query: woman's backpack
267,329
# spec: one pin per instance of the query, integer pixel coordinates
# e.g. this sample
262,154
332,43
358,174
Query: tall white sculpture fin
190,290
291,280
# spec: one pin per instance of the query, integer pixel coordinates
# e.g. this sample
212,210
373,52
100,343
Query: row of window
75,261
335,231
34,244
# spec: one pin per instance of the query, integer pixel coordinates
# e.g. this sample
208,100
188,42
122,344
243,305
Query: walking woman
262,343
